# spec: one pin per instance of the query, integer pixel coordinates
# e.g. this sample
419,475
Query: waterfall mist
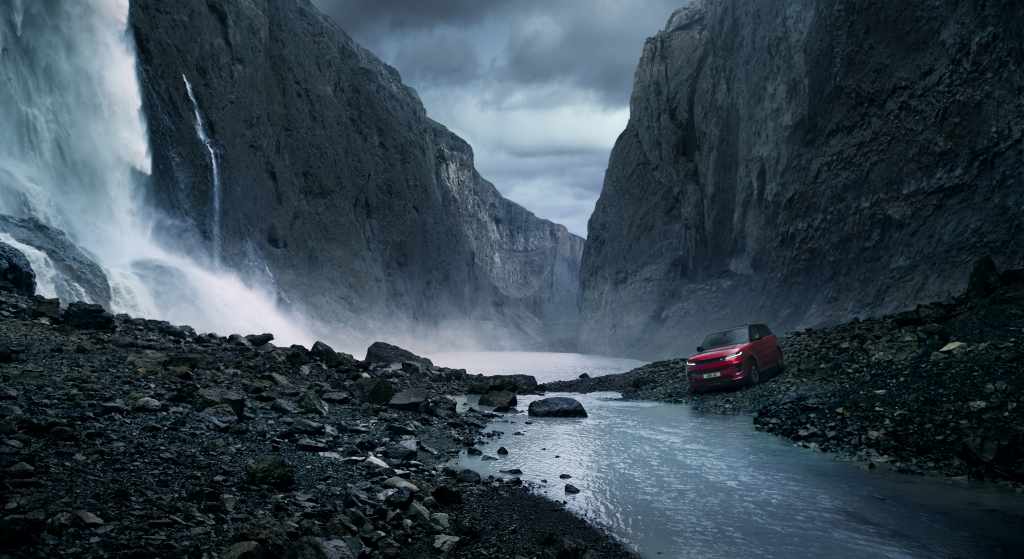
74,156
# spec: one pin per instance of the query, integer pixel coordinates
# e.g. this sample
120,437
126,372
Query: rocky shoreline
935,390
124,437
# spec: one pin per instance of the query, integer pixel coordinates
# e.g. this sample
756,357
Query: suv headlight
733,356
690,363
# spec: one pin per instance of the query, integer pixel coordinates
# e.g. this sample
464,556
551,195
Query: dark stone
88,316
15,271
257,340
498,399
272,471
375,391
469,476
519,384
571,489
558,406
384,353
326,355
446,495
410,399
48,308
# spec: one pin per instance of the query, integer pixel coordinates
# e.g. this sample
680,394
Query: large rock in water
805,162
519,384
558,406
364,210
15,272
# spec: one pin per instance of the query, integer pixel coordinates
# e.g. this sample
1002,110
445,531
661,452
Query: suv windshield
727,337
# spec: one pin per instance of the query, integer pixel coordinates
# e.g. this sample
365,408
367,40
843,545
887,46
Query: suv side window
765,332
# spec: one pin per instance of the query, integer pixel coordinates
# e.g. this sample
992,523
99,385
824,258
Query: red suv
735,356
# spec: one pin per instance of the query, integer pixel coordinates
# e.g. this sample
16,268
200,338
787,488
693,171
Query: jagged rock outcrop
800,163
333,179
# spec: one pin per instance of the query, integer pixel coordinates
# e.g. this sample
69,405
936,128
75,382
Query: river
671,482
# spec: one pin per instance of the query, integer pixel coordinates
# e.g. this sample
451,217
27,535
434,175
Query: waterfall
204,138
73,145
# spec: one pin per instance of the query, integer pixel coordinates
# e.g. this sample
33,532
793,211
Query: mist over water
73,148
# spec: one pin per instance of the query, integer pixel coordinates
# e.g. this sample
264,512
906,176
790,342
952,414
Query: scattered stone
571,489
244,550
445,543
384,353
399,483
498,399
558,406
87,518
147,404
273,472
88,316
312,404
502,451
259,340
411,399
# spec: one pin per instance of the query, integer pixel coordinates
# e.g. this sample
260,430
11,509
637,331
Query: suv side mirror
700,348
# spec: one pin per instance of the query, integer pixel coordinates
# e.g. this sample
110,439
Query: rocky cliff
806,162
321,173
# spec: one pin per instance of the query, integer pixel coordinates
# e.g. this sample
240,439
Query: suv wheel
753,374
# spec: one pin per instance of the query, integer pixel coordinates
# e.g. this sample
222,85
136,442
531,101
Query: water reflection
674,483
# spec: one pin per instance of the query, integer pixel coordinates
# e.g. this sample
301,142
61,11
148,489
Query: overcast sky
540,88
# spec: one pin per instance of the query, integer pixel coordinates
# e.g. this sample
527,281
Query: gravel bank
131,438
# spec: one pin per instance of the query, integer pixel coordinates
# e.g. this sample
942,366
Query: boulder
558,406
258,340
519,384
384,353
15,271
499,399
410,399
375,391
326,355
88,316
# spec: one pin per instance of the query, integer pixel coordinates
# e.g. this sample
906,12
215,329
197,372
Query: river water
671,482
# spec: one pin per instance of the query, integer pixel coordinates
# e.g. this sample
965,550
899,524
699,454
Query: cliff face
334,184
801,163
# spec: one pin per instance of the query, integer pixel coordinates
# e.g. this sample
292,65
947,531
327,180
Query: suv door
770,350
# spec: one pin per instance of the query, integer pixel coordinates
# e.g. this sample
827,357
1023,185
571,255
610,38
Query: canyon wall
802,163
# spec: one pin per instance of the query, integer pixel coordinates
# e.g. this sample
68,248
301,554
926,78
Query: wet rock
512,471
312,404
571,489
411,399
502,451
445,543
336,397
15,271
498,399
326,355
519,384
244,550
46,308
584,376
259,340
385,354
399,483
88,519
441,406
469,476
88,316
147,404
558,406
375,391
271,471
447,495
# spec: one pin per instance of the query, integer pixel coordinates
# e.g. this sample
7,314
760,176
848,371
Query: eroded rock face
805,163
15,271
365,211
